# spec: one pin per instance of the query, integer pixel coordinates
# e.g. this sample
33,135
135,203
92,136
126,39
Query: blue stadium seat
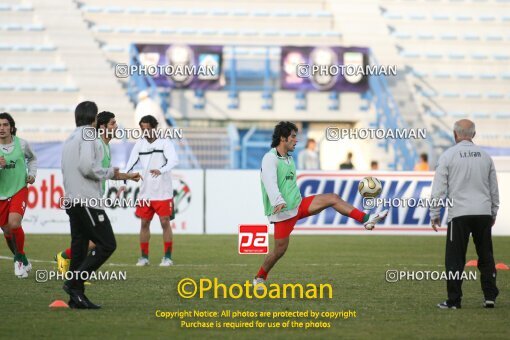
487,76
24,47
493,37
209,32
292,33
417,16
458,114
61,108
5,7
450,95
17,108
36,68
188,31
178,11
135,10
146,30
323,14
464,18
168,30
502,115
505,18
456,56
495,95
479,56
480,115
6,87
303,14
23,8
69,88
38,108
465,75
13,27
114,10
240,12
393,16
271,33
26,88
425,36
442,75
14,67
438,17
471,36
102,29
410,54
48,88
125,30
250,33
229,32
486,18
501,56
6,47
259,13
433,55
332,34
92,9
313,33
402,35
220,12
46,48
282,14
505,75
156,11
35,28
199,11
473,95
58,68
448,36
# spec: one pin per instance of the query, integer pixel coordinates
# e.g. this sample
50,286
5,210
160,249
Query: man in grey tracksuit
83,173
465,173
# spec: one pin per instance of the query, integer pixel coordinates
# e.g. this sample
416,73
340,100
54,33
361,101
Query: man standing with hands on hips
465,173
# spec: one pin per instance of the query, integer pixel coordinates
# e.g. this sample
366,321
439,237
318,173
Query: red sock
19,236
262,273
168,249
144,246
357,215
68,253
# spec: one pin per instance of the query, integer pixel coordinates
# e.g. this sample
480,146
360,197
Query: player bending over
157,157
283,204
13,189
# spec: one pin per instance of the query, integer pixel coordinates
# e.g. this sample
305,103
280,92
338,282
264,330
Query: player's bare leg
145,235
167,241
280,247
323,201
17,241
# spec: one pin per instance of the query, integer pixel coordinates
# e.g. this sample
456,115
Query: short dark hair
103,118
310,140
85,113
151,120
282,129
5,115
349,154
425,157
372,163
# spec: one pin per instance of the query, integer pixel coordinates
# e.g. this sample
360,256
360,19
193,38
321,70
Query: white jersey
158,155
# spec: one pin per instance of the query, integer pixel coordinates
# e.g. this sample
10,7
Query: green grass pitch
354,265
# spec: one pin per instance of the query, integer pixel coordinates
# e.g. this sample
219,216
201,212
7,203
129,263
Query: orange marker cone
58,304
472,263
502,266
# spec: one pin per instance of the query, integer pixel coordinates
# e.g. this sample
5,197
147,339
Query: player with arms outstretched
16,158
283,204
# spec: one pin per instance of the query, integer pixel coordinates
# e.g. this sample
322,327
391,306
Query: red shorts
284,228
15,204
162,208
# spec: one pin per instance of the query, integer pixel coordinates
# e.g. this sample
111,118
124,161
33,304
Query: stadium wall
218,201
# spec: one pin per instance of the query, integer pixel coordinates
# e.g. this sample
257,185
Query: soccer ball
370,187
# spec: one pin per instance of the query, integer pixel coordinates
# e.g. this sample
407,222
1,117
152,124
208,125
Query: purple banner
181,65
324,68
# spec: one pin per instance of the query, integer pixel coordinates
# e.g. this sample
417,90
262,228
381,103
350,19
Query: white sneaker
166,262
28,267
258,283
370,224
142,261
19,270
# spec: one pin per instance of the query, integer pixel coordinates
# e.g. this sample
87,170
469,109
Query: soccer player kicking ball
283,204
13,189
157,157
